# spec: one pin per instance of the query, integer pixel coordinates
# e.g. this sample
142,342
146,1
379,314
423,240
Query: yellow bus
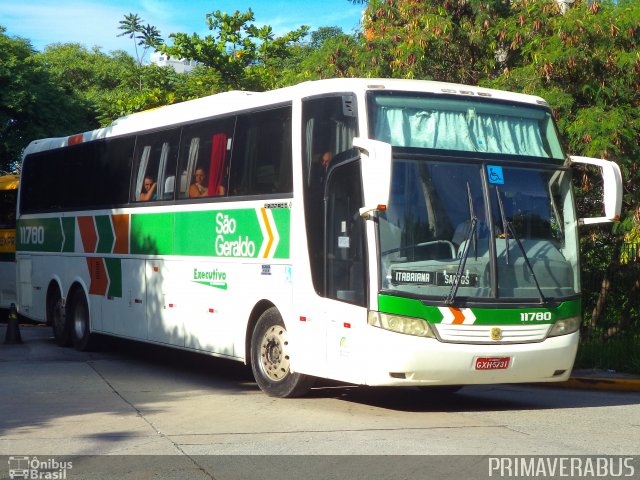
8,193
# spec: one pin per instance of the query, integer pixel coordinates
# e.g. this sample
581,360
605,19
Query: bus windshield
440,216
464,125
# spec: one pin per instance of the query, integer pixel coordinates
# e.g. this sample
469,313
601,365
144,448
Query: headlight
397,323
565,326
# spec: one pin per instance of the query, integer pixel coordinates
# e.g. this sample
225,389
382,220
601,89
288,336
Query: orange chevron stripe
458,316
88,234
98,276
269,232
121,230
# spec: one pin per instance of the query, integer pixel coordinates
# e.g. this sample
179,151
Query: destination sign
439,279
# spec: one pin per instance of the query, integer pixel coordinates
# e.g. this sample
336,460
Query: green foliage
439,40
32,103
243,55
328,54
620,354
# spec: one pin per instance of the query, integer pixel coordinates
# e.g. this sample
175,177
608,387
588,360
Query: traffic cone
13,328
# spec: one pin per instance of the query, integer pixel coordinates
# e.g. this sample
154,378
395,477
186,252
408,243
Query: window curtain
465,131
216,166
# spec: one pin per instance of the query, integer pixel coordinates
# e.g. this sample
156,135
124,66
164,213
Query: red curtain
216,167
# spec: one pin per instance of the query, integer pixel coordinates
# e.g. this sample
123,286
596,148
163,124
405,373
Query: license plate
492,363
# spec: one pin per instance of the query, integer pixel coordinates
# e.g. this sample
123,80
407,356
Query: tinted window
89,175
114,167
261,160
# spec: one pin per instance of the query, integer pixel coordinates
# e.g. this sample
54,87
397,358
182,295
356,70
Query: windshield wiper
472,234
503,217
507,229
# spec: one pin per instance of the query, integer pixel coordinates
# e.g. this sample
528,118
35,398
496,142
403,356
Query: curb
612,384
595,383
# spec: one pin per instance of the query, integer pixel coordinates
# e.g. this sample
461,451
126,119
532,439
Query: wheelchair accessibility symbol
494,173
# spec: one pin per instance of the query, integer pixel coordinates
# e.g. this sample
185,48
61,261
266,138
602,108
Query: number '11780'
535,316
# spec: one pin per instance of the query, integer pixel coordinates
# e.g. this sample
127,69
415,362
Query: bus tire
57,318
270,359
83,339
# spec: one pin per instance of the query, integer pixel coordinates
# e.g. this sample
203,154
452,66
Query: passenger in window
320,168
198,187
148,190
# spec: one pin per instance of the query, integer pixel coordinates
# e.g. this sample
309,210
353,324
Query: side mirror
376,174
612,189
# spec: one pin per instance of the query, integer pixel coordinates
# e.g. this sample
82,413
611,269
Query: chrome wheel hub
274,358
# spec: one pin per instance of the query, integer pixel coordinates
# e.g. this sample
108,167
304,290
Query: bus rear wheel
270,360
58,320
83,339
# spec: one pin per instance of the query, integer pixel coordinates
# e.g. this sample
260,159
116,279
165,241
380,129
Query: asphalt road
136,402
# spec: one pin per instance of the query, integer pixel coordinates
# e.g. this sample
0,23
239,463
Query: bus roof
233,101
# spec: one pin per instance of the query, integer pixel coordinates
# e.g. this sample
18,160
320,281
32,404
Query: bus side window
204,152
261,161
155,160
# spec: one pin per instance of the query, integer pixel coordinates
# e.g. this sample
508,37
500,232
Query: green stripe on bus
483,316
195,233
105,234
39,235
114,270
232,233
282,217
238,233
152,234
69,231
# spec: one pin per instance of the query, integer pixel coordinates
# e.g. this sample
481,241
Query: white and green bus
376,232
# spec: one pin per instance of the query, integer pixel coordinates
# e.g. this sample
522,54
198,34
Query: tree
90,76
328,54
438,39
243,55
146,36
32,104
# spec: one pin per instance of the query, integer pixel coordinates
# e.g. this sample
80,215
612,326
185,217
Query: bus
8,195
309,232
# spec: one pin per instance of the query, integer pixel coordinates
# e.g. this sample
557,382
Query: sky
95,22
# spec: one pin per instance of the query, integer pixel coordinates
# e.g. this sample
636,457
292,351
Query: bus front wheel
270,359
